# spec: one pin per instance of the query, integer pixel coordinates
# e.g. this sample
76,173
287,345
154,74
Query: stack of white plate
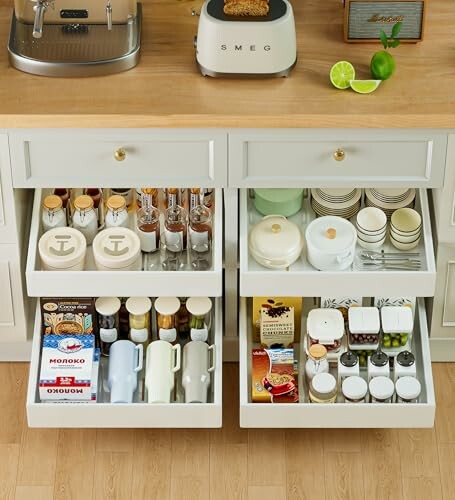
342,202
390,199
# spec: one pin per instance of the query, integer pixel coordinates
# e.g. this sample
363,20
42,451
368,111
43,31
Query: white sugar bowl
331,242
275,242
62,249
117,249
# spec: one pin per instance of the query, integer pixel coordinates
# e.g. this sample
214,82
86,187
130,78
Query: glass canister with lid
378,365
397,325
408,390
85,218
323,388
117,212
348,365
316,362
354,389
166,317
326,327
200,310
139,311
364,327
404,365
53,213
381,389
108,321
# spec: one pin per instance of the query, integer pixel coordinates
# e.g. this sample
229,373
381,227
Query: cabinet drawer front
338,415
138,414
116,158
8,233
366,158
6,296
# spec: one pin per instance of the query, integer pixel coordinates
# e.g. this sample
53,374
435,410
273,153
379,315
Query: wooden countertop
166,90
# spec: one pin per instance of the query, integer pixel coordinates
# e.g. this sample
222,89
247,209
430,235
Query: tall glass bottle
174,238
148,227
200,232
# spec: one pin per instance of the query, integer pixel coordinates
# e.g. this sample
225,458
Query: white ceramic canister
62,249
117,249
378,365
275,242
404,365
330,243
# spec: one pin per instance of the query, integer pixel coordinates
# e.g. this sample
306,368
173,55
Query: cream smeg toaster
246,46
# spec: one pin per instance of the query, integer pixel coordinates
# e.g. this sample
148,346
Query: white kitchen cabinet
8,230
136,414
290,158
117,158
301,279
94,283
340,414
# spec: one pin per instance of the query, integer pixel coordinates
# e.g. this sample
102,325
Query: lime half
365,86
341,74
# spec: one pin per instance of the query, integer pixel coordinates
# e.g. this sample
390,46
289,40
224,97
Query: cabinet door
12,309
7,226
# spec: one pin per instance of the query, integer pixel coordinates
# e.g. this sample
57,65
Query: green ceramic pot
277,201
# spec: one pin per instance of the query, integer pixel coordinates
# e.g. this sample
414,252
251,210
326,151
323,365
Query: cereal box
68,315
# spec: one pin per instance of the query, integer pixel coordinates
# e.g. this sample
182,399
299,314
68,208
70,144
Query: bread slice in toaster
253,8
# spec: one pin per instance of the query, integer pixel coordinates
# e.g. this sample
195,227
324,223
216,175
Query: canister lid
62,247
331,235
116,202
349,359
406,358
83,202
381,388
167,305
52,202
379,358
354,387
116,247
138,305
408,388
198,306
317,352
107,306
323,383
396,319
325,325
364,320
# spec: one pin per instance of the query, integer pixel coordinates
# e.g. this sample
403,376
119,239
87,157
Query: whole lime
382,65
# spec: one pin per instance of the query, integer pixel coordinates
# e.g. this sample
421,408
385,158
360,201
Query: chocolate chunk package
63,315
277,321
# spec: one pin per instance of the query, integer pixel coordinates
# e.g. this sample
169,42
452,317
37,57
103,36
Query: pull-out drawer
340,414
288,158
301,279
116,158
94,283
136,414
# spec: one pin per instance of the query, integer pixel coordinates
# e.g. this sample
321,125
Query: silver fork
387,255
403,265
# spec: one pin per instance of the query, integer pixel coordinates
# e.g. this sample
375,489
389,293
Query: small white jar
381,390
62,249
354,389
316,362
117,249
404,365
408,390
378,365
348,365
166,310
53,214
85,218
117,212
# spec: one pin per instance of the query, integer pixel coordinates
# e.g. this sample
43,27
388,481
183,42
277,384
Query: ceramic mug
125,362
196,370
163,361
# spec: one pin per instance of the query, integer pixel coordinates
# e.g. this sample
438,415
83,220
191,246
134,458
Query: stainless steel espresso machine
75,37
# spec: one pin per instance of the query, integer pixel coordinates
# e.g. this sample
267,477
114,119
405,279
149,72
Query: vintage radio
364,19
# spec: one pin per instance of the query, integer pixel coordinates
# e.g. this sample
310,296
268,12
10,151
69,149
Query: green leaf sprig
393,41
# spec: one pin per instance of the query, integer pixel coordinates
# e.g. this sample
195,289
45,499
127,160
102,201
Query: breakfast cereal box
68,315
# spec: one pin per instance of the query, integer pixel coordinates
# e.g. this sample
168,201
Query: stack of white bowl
390,199
371,225
342,202
405,229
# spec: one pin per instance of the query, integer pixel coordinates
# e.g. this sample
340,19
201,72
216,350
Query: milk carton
67,367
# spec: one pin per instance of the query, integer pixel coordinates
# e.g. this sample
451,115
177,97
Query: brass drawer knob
339,155
120,154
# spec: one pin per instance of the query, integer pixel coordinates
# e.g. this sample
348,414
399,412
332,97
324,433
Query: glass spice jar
117,213
174,238
150,193
84,217
196,198
148,222
323,388
139,319
166,317
316,362
381,389
174,196
199,309
200,234
127,194
408,390
183,320
108,321
354,389
53,214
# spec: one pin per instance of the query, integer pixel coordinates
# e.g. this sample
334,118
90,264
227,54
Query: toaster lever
109,15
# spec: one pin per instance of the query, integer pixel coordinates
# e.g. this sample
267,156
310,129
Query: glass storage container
354,389
139,319
326,327
127,194
408,390
166,317
85,218
378,365
174,238
381,390
364,327
183,320
96,194
317,361
53,213
117,213
108,321
348,365
199,309
323,388
397,325
404,365
200,234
